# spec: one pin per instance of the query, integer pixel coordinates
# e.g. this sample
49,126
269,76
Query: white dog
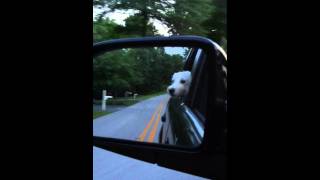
180,84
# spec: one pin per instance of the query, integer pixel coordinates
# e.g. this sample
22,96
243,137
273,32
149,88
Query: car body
183,124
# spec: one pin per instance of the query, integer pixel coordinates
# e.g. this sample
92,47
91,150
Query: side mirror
183,125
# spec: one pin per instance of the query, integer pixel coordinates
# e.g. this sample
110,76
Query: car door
183,124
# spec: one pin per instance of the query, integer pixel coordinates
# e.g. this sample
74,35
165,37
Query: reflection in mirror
139,95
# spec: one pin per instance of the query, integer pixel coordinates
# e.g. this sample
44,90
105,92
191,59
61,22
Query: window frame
196,118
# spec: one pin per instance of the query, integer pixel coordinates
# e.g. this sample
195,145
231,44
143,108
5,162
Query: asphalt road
139,122
109,108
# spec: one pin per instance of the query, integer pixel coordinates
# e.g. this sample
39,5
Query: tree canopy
181,17
150,69
142,70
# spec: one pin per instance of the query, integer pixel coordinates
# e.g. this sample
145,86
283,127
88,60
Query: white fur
180,89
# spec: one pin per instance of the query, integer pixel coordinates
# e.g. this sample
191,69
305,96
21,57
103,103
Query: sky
175,50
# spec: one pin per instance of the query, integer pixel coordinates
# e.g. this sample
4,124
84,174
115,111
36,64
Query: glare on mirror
139,94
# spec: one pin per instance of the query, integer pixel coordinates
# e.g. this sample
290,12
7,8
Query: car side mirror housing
208,100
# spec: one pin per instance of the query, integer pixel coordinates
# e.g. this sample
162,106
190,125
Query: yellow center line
155,126
144,132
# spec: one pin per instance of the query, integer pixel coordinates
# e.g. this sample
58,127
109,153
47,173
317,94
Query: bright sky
120,16
175,50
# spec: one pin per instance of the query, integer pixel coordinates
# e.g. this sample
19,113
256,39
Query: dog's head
180,83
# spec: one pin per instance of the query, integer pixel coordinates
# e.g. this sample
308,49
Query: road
139,122
109,108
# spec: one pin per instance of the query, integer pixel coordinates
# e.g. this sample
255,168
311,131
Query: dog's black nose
171,91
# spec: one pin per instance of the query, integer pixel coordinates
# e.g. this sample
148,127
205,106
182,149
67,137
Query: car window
201,93
187,121
197,97
193,63
194,107
190,59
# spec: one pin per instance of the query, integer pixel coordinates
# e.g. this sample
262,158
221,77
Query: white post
104,93
134,96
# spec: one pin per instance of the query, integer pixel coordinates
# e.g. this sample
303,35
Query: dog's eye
182,81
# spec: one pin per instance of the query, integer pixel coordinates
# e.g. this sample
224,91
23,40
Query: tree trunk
145,18
145,24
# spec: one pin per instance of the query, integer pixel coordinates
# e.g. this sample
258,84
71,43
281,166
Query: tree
180,16
146,70
142,70
134,25
186,17
113,71
156,67
217,23
146,10
104,28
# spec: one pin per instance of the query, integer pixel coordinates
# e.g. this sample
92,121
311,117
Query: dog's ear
189,79
174,76
187,74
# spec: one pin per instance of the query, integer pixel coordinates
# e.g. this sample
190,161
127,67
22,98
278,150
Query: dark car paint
178,128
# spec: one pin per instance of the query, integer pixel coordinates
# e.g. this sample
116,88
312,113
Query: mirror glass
153,94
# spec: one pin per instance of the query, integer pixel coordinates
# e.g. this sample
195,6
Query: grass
99,113
124,101
127,101
144,97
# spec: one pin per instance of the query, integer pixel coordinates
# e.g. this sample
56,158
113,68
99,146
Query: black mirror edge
185,41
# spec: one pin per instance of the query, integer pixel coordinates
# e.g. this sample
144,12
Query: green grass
100,113
144,97
129,100
124,101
